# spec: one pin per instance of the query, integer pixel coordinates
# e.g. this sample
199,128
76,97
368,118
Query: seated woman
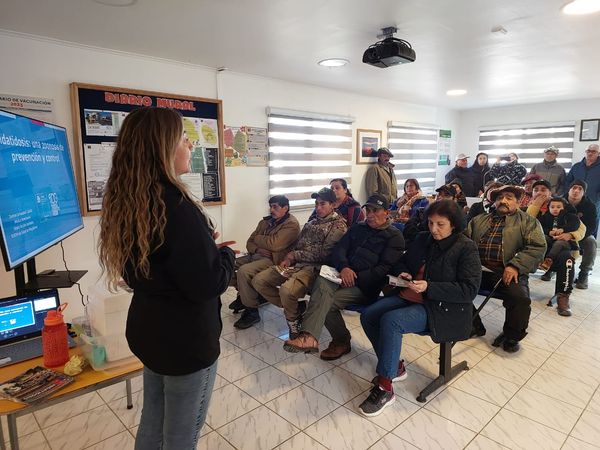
443,273
410,202
345,205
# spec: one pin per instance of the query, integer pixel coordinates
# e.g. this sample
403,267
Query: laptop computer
21,323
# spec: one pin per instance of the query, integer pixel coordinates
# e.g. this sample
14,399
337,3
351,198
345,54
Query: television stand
36,282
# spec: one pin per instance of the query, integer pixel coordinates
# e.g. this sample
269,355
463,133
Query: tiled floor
545,396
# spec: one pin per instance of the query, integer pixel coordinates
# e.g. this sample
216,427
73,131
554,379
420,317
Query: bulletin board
99,111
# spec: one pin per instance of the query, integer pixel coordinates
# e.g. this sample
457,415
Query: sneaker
249,317
236,306
547,276
376,402
511,346
582,281
401,375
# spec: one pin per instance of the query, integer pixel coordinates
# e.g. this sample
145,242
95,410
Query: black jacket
566,219
586,211
468,178
371,253
174,319
453,275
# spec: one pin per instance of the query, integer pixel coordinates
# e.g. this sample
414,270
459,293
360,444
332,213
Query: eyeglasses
591,151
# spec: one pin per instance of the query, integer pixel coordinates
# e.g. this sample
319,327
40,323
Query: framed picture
367,143
589,130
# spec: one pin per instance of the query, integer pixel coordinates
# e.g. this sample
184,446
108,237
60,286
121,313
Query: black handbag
449,322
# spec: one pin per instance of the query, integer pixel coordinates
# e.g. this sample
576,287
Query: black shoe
511,346
499,340
547,276
582,281
478,331
236,306
249,317
376,402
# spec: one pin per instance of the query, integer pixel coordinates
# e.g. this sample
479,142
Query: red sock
385,384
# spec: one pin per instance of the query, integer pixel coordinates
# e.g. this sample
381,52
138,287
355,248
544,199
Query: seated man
586,211
274,237
298,270
511,244
364,257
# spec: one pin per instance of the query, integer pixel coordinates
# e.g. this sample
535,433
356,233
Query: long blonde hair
133,210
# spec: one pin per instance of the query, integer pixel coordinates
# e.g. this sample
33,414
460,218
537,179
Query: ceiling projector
389,52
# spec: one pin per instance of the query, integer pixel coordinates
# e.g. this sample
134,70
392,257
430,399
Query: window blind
415,149
306,151
529,142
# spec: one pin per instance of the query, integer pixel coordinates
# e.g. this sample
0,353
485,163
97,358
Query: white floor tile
213,441
25,425
545,410
556,386
392,442
270,351
227,404
594,405
583,371
260,428
118,390
343,429
486,386
482,443
465,409
363,365
267,384
239,365
302,406
427,430
303,367
130,417
300,441
248,338
575,444
32,441
62,411
339,385
121,441
587,428
517,432
392,416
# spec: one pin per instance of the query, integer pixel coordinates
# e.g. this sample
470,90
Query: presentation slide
38,195
16,316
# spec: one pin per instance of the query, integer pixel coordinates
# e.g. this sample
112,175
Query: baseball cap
552,149
540,183
324,194
446,188
377,201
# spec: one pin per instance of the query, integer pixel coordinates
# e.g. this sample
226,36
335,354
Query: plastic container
108,310
55,346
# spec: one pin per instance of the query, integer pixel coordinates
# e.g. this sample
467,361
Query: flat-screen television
38,195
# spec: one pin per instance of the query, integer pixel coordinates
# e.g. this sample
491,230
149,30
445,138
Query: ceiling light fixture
117,3
333,62
456,92
581,7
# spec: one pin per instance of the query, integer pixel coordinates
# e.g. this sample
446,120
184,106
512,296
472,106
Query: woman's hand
228,244
405,276
419,286
216,235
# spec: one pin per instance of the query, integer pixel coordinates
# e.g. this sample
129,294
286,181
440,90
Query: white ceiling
545,56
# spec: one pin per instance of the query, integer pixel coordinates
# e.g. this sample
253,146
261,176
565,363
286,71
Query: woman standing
480,169
345,205
510,173
161,241
442,271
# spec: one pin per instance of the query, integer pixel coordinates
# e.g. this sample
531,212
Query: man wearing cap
364,257
380,178
551,171
274,236
418,223
297,271
464,174
511,245
586,211
588,170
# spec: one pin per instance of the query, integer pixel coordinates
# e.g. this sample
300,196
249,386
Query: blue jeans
384,322
174,409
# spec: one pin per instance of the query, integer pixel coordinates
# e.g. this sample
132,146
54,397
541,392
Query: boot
582,280
236,306
546,264
563,308
294,328
249,317
548,275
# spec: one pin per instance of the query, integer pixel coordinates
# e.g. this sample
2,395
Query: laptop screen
22,317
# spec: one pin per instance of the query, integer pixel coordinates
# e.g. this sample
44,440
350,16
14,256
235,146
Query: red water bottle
54,338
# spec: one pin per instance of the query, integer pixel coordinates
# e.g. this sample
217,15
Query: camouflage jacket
317,239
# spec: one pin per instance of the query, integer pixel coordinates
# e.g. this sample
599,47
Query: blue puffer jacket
591,175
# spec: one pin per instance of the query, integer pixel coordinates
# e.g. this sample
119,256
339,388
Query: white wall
574,111
43,68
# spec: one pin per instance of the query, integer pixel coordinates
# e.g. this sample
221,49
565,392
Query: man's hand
264,252
510,274
288,260
540,199
348,277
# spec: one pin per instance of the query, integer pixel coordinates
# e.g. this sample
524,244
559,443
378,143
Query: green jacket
523,242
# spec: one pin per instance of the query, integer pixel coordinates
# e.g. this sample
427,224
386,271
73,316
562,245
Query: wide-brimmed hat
517,190
460,156
324,194
377,201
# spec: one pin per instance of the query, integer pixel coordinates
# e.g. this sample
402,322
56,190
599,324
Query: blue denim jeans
174,409
384,322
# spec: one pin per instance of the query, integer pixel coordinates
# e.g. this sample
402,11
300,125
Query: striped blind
529,142
415,149
306,151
